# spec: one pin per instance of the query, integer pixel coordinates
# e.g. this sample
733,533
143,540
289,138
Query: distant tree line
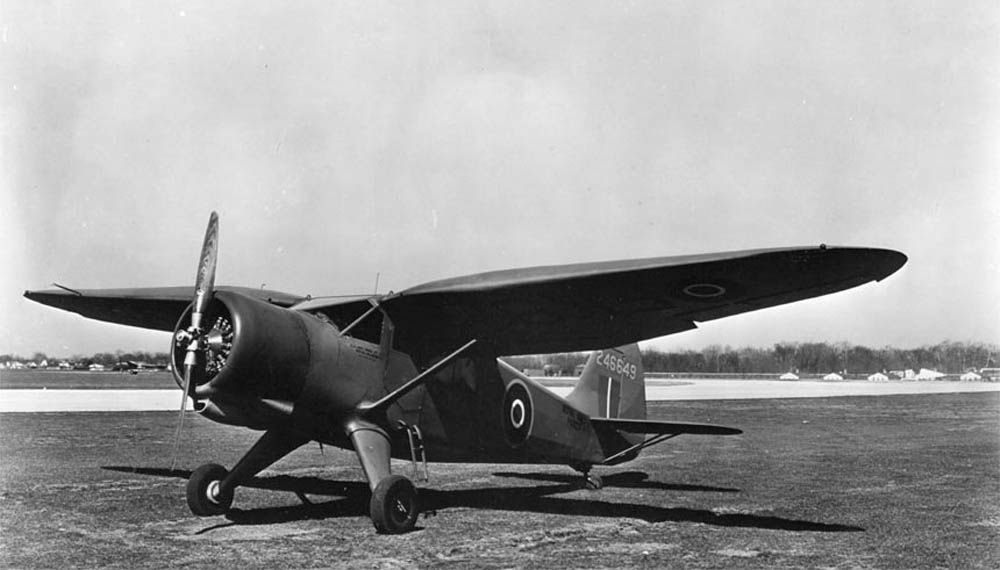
801,357
106,358
565,361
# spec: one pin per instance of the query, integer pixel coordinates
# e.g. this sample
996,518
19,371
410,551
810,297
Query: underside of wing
150,308
595,305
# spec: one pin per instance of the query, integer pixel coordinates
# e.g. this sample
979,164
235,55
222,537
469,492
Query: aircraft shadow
539,500
354,496
304,485
624,480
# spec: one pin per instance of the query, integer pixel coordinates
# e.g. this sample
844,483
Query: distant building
970,377
927,374
788,376
878,377
833,376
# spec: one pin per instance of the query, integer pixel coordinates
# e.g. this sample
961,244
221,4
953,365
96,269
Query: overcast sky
341,140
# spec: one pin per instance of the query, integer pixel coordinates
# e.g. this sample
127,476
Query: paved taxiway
656,390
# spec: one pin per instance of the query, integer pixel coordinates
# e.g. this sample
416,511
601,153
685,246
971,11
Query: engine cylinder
254,349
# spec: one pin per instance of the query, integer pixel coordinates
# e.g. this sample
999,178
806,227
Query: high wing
593,305
549,309
156,308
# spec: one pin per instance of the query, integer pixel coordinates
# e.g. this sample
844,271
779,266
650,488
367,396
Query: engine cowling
253,349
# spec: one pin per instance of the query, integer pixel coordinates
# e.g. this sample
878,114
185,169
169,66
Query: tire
394,505
198,498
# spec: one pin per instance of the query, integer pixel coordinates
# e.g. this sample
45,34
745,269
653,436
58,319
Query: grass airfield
896,482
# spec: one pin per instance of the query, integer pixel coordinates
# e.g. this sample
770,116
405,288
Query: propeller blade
204,287
204,284
180,417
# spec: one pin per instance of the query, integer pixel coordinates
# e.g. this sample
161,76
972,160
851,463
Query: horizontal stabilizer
661,428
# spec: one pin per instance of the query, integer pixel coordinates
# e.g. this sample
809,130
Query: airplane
416,375
134,367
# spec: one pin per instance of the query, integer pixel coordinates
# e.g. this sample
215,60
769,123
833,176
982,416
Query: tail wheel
204,493
593,482
394,505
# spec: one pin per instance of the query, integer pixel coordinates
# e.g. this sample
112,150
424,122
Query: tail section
612,385
612,391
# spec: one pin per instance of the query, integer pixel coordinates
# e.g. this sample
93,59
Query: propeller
195,336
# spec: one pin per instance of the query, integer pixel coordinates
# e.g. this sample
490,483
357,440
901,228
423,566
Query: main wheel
394,505
204,495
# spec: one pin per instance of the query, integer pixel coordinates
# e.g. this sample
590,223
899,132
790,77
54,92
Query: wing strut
380,406
374,306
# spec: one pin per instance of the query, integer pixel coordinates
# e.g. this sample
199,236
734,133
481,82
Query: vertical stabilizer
612,385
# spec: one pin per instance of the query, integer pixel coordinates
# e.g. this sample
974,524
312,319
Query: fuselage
292,370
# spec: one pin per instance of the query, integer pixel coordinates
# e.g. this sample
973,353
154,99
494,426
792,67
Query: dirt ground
893,482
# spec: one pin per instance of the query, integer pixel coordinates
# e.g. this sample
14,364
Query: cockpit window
368,329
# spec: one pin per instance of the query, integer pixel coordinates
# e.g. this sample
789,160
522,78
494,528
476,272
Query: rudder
612,384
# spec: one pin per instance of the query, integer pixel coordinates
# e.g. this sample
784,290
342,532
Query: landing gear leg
393,507
210,489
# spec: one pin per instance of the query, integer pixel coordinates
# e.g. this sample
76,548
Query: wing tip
881,263
892,261
38,295
877,263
